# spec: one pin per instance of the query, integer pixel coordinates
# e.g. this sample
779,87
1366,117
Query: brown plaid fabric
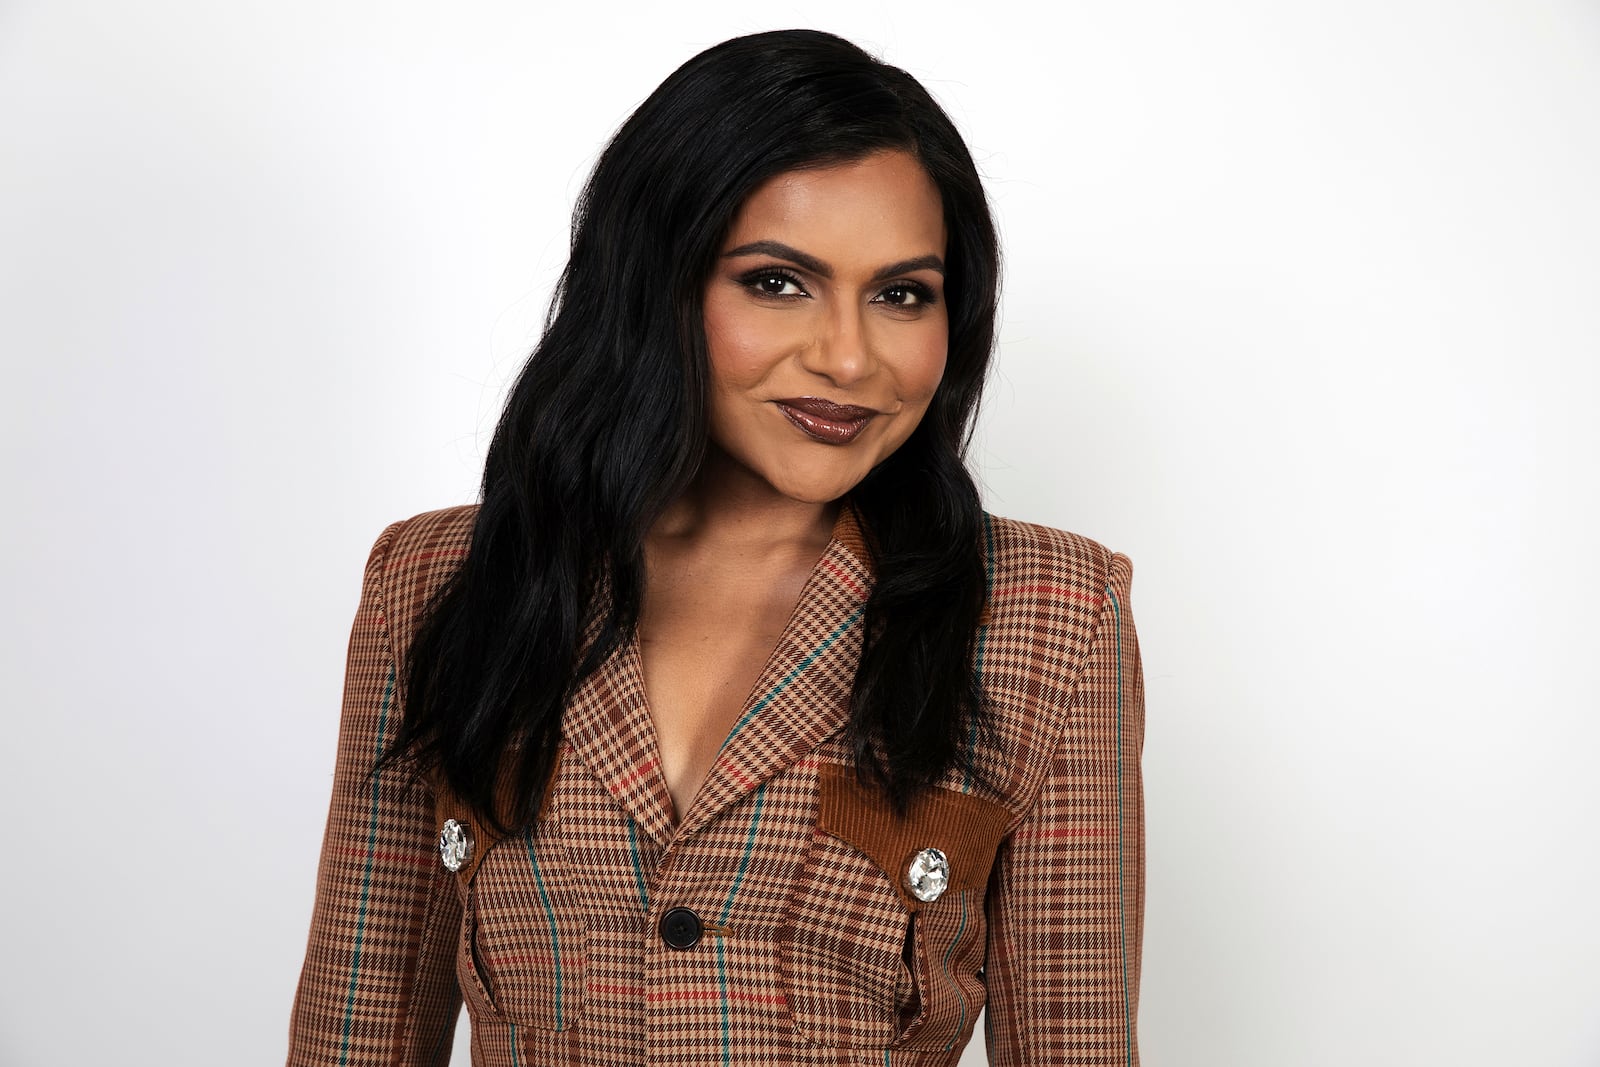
811,948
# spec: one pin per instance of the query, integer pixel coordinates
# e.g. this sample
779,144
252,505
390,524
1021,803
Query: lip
825,421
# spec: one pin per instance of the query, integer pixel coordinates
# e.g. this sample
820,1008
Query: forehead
880,208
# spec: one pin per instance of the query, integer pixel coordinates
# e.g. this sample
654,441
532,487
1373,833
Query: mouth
823,420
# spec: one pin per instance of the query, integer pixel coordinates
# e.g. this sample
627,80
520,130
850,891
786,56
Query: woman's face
826,324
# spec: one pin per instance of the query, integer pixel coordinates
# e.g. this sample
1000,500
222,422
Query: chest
790,925
702,645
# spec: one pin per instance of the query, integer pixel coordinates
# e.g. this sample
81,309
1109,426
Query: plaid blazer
808,947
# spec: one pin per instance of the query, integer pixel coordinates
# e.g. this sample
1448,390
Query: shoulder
1030,563
1049,592
428,535
413,557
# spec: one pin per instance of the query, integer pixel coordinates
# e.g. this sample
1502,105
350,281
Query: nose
841,349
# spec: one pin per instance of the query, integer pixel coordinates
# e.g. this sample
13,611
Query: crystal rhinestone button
455,846
928,876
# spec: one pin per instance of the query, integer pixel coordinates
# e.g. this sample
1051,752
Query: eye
773,283
905,295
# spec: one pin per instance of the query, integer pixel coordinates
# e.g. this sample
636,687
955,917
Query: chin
816,494
807,474
821,489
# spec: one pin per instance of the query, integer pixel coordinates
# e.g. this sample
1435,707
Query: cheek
740,347
923,368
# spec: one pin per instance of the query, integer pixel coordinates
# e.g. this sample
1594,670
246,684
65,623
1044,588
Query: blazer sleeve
1066,901
378,985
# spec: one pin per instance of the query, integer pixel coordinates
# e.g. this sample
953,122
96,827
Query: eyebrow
817,266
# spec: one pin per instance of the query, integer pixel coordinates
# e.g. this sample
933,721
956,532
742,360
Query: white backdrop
1302,312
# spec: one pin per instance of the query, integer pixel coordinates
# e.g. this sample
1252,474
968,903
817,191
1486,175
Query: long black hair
606,425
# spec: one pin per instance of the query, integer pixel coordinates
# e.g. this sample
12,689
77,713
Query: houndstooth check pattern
812,953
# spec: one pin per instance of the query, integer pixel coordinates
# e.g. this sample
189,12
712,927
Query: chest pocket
866,964
524,936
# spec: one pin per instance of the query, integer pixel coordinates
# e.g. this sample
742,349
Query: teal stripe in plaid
744,860
550,917
722,920
366,876
638,867
799,668
1122,901
725,1007
983,635
961,1026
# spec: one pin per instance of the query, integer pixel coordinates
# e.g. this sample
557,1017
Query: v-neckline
800,697
634,652
845,531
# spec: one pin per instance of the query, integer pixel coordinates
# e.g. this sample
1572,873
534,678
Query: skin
833,313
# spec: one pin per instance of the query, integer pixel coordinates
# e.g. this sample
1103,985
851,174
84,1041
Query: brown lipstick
823,420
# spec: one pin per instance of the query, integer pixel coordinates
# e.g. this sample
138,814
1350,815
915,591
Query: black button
680,928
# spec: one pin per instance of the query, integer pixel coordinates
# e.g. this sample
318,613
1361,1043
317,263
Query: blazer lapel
608,725
803,694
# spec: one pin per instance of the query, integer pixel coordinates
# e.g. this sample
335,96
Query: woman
744,733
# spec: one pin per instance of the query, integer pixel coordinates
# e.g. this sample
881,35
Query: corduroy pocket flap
966,828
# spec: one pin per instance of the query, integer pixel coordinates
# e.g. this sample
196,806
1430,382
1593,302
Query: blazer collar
801,697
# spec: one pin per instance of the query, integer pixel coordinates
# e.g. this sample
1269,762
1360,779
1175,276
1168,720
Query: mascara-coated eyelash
923,293
754,279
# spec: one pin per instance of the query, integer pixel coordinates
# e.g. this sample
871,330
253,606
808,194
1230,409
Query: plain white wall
1302,312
